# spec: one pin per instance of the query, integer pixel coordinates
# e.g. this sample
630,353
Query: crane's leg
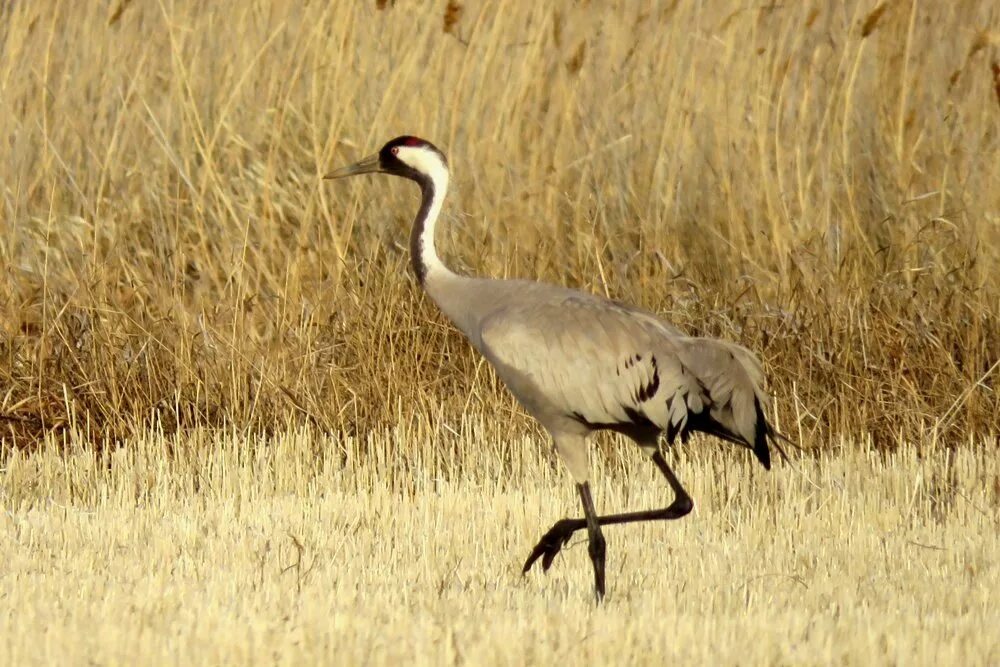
596,546
572,450
552,542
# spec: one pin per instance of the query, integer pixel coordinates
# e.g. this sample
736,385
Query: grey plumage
580,363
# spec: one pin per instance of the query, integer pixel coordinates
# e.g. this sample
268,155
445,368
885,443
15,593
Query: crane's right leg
596,545
572,450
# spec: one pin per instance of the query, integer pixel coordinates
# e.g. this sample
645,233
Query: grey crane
581,363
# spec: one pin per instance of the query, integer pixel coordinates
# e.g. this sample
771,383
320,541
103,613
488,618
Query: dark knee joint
681,506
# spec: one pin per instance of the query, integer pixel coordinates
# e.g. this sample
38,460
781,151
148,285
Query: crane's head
406,156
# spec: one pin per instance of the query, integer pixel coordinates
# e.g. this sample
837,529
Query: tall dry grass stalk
816,181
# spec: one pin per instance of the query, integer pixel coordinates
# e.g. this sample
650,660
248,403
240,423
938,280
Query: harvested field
303,549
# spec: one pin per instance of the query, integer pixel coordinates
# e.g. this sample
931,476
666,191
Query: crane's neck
423,251
450,291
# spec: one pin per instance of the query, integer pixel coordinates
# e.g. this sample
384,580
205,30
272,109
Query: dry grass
818,184
821,185
308,549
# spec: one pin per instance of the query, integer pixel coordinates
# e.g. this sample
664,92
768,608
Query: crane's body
581,363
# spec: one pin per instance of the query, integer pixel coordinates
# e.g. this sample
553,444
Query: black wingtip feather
672,430
761,431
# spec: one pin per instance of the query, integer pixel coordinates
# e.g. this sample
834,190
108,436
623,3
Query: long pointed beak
369,165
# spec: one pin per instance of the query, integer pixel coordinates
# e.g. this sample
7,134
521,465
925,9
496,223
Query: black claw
599,583
551,544
550,556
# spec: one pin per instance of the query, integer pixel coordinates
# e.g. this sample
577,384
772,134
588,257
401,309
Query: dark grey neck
417,232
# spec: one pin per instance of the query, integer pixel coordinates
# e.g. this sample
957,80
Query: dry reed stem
772,175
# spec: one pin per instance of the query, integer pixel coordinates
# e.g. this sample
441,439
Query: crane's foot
552,543
597,549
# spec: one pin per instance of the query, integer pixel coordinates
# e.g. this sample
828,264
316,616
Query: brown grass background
817,181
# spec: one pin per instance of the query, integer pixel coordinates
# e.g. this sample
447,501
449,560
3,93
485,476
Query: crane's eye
395,150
